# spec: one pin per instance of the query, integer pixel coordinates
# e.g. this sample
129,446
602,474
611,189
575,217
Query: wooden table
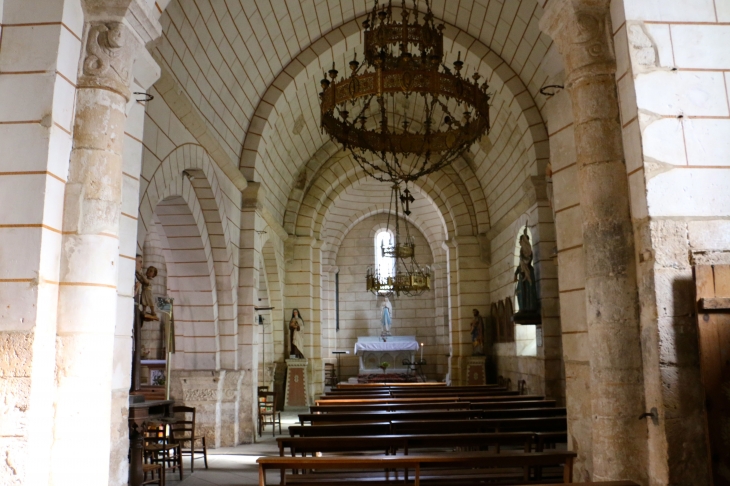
141,414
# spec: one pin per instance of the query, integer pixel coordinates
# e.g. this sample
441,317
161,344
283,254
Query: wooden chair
267,410
151,469
330,376
183,432
160,450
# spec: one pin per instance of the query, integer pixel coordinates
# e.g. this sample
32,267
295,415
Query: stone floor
233,466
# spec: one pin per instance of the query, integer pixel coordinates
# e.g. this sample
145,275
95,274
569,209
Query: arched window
384,265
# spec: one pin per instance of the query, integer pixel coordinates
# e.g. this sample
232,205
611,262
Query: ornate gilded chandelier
405,276
402,113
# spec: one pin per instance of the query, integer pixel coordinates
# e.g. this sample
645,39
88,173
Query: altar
372,351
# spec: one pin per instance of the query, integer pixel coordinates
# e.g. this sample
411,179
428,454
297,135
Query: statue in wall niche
138,277
386,313
526,286
296,324
146,300
477,334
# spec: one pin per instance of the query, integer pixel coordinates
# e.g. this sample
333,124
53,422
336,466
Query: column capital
581,30
114,32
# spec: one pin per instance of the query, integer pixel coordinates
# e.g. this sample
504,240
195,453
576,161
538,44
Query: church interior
418,213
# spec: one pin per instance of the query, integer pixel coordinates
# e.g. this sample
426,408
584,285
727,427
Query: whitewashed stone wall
39,54
359,310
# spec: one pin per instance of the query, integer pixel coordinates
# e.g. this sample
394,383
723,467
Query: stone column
582,32
87,305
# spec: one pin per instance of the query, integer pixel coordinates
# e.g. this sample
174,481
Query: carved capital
253,196
107,58
115,33
581,30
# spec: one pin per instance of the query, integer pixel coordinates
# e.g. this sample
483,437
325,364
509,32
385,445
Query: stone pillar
582,32
87,305
252,226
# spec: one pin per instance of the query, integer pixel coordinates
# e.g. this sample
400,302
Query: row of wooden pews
425,433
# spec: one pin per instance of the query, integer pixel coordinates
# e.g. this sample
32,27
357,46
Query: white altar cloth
373,351
386,346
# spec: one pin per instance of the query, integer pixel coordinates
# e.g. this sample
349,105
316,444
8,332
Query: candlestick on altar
421,351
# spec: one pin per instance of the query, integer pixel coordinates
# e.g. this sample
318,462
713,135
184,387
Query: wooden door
713,318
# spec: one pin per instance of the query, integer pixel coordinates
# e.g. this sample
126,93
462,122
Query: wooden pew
419,394
420,389
446,468
398,385
540,424
444,415
527,424
479,399
391,444
373,428
384,407
315,418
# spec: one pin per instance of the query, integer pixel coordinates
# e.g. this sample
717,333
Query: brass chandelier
406,276
403,113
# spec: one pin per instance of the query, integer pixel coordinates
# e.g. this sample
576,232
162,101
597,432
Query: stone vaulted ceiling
233,59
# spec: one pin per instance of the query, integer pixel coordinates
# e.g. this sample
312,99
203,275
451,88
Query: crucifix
406,199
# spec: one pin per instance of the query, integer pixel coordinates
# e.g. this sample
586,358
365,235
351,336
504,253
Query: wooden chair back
183,428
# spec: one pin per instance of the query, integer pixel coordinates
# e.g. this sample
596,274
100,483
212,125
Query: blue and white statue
385,317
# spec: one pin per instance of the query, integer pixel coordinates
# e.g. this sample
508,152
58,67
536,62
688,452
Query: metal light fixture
407,276
398,114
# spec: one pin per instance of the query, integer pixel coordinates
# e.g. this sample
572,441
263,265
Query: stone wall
359,309
543,373
673,87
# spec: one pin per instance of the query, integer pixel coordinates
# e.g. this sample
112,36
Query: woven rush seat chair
151,469
268,413
160,450
183,433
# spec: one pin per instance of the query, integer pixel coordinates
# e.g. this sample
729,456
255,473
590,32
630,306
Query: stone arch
192,165
335,179
460,176
191,281
301,72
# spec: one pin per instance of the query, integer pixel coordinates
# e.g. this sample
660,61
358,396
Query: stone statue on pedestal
296,324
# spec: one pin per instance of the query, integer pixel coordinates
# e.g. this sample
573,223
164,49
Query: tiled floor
233,466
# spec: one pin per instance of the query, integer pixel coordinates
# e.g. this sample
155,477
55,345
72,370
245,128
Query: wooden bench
473,399
436,468
446,415
388,407
351,429
385,407
391,444
419,384
317,418
420,394
527,424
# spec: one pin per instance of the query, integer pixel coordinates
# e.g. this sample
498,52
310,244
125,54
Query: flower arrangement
384,366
